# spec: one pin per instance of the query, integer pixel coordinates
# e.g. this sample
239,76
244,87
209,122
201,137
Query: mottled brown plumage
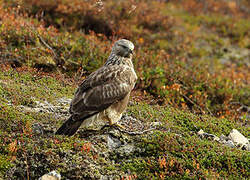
104,94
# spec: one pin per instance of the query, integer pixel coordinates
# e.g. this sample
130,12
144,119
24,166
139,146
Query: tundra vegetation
191,57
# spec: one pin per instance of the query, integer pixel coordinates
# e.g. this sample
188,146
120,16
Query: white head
123,48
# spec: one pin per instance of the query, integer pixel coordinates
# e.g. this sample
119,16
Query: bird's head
123,48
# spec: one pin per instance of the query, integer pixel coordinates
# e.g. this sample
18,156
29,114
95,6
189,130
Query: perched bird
104,94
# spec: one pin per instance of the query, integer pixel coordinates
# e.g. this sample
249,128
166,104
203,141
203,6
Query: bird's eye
124,47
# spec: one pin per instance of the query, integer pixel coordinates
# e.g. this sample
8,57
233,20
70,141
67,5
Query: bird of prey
104,93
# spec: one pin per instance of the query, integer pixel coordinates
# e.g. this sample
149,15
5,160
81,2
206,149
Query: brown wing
102,88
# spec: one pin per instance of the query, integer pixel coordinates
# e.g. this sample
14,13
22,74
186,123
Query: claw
119,125
111,123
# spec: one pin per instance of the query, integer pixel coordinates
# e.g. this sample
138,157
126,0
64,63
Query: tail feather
69,127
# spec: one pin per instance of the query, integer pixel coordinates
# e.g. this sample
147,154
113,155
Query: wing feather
102,88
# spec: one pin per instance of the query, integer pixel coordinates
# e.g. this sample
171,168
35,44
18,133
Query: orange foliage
162,162
86,147
165,73
215,6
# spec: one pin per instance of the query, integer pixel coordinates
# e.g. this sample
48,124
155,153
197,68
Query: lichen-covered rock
240,140
125,150
113,142
37,128
226,140
53,175
60,107
234,54
234,139
203,134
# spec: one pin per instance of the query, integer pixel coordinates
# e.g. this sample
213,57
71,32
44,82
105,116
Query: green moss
5,164
179,59
183,154
186,156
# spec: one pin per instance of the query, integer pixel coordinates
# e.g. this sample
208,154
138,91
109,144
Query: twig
44,43
242,107
236,103
196,104
58,61
136,132
27,166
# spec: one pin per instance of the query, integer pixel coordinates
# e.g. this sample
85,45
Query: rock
229,143
233,54
216,138
104,177
37,128
200,132
53,175
125,150
238,139
113,142
203,134
246,147
155,124
59,110
224,138
64,101
132,124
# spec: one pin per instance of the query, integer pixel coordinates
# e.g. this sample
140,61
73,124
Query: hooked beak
131,52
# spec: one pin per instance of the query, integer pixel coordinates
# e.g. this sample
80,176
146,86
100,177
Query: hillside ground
192,60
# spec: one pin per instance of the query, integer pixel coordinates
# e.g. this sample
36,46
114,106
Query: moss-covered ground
173,150
192,60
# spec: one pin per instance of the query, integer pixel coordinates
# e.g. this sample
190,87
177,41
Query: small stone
238,138
210,136
155,124
216,138
229,143
224,138
113,142
104,177
126,150
64,101
37,128
200,132
53,175
203,134
246,147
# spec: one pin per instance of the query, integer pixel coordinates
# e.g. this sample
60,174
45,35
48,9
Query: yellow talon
111,123
119,125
